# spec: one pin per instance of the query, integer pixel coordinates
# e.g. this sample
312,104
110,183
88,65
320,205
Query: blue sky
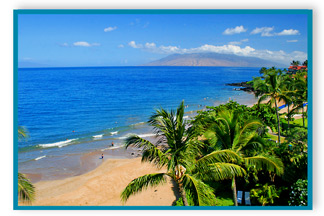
126,40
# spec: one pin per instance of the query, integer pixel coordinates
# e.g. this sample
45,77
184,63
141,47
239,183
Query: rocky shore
243,86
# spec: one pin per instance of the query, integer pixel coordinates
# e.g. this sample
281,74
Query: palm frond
150,152
221,171
203,193
263,98
256,143
246,140
223,134
22,133
225,155
266,162
26,190
141,183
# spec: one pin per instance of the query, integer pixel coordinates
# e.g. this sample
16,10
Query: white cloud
81,43
288,32
134,45
264,31
121,46
150,45
85,44
170,49
236,30
292,41
268,32
238,42
109,29
277,56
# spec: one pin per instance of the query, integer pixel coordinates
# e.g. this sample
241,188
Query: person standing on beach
112,143
101,156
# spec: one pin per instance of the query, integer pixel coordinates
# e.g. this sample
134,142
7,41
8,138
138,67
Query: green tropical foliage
295,63
271,87
22,133
265,194
305,63
300,94
26,190
226,131
179,151
229,146
298,193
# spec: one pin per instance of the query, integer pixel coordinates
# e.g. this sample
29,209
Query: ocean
74,114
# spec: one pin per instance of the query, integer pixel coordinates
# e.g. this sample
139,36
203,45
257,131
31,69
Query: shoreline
100,183
103,185
77,163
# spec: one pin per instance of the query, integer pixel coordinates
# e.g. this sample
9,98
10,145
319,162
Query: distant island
213,59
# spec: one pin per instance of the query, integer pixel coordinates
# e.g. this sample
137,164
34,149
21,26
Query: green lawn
224,199
295,123
275,138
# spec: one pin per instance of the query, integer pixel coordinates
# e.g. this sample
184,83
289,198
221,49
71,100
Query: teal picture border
309,14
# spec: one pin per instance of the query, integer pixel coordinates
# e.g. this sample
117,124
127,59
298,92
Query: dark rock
244,86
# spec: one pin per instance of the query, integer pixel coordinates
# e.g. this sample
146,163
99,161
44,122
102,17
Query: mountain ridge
213,59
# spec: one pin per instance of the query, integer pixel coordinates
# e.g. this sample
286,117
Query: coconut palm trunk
183,194
288,117
303,116
234,191
278,120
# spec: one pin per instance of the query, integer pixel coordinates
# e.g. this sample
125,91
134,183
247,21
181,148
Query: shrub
298,193
265,194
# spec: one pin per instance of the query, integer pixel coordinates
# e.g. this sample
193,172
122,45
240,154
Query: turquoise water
73,111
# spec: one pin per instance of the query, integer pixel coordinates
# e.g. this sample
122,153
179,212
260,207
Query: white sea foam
110,148
36,159
57,144
114,132
98,136
140,135
146,135
139,123
124,137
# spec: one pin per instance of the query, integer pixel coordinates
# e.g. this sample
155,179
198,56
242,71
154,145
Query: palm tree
241,140
295,63
289,86
178,151
305,63
301,93
271,88
26,190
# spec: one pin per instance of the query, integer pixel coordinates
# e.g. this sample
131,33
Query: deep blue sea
76,111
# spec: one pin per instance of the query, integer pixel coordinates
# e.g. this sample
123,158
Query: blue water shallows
77,110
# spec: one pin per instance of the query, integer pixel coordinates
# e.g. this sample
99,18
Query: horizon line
53,67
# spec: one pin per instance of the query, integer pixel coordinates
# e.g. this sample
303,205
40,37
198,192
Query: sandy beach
103,186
